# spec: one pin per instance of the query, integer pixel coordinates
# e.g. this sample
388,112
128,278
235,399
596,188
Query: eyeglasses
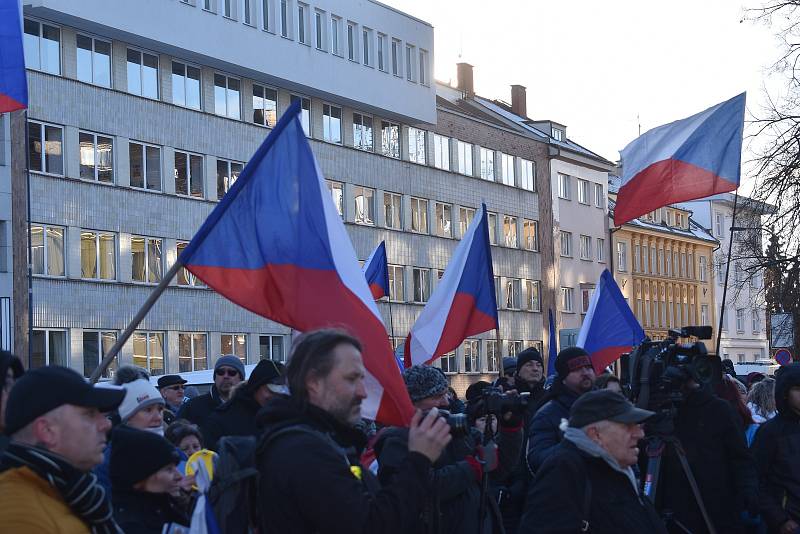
175,387
226,372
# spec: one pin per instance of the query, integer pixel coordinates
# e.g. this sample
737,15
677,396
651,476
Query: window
366,42
487,164
534,302
527,176
336,27
492,356
226,96
740,320
192,352
319,30
302,35
448,363
351,41
472,363
441,152
148,351
703,268
337,194
94,61
557,134
246,12
740,358
416,145
586,297
305,112
381,52
513,293
332,124
464,154
396,58
444,217
272,348
564,189
47,250
265,106
622,257
142,74
566,244
98,255
497,291
465,216
390,139
285,18
186,278
419,215
95,347
583,191
491,222
567,299
601,250
410,63
227,10
718,223
364,203
146,259
96,157
42,45
49,347
530,234
362,132
510,231
227,174
185,85
704,314
45,148
421,284
599,197
514,348
720,273
235,344
756,320
507,168
586,247
396,275
145,166
189,179
423,67
392,211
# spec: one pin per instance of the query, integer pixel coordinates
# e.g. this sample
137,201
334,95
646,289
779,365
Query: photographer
455,502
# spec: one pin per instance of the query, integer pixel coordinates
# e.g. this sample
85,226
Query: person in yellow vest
58,426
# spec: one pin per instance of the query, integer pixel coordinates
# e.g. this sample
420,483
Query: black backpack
232,493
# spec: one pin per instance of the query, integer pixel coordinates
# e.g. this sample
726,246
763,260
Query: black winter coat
307,485
777,452
198,409
722,465
237,417
543,434
137,512
560,498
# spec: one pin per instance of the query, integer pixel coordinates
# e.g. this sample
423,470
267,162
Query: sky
603,68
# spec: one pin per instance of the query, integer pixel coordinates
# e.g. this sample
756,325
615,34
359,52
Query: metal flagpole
727,273
391,318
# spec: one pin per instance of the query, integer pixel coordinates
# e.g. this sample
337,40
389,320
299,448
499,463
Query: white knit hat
138,394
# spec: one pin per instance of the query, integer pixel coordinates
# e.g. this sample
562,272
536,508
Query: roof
695,231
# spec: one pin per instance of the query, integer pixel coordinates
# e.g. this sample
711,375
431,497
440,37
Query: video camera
492,400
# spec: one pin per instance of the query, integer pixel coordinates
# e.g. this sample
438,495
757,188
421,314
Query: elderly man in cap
58,427
228,372
171,388
587,484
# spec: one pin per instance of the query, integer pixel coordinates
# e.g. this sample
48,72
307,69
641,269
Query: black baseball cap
605,405
170,380
44,389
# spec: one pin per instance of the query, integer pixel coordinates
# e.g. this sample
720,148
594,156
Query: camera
458,422
494,401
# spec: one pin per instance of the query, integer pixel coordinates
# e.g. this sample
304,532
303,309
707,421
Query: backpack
233,490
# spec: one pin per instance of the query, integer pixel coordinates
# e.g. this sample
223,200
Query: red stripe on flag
606,356
9,104
377,291
463,320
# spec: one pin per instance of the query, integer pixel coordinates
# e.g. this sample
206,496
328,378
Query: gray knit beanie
424,381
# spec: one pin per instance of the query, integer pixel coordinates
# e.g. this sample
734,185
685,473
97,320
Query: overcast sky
595,65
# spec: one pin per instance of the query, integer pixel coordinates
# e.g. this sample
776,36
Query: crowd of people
515,457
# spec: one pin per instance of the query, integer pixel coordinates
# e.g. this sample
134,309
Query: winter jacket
311,481
138,512
198,409
777,452
237,417
543,433
723,467
579,482
30,504
454,504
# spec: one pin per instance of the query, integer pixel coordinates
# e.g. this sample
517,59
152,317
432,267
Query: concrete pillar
122,172
72,252
207,89
165,79
171,353
170,247
69,55
168,169
75,349
210,177
119,66
72,159
125,266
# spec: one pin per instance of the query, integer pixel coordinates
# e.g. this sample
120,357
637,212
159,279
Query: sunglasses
226,372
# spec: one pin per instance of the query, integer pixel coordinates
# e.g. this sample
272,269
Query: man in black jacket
311,481
587,484
228,372
776,449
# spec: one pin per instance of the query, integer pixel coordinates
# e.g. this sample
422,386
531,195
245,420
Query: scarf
582,441
80,491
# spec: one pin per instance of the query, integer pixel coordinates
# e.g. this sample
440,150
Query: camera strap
695,489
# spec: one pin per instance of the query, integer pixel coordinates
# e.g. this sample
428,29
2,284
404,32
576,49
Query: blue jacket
544,434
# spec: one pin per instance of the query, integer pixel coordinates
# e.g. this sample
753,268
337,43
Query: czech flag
463,303
684,160
13,84
276,245
376,271
610,328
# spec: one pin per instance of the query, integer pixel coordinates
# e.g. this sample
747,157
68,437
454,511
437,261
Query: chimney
465,80
519,100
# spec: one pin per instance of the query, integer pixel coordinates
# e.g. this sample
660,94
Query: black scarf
80,491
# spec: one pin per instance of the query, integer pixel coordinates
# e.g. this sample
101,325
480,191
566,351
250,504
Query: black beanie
527,355
137,454
571,359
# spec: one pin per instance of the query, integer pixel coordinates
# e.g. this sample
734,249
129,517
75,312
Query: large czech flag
376,271
464,302
610,327
276,246
688,159
13,84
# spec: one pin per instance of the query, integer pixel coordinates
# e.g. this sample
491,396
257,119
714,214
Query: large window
272,347
492,356
146,259
756,320
45,148
583,191
416,145
464,154
305,113
94,61
302,23
586,247
566,244
530,234
567,299
337,194
192,352
534,302
185,85
49,347
703,268
390,139
226,96
564,188
513,293
186,278
145,166
42,44
148,351
265,105
444,219
491,222
364,204
510,231
601,250
507,168
396,283
448,363
622,257
472,361
487,164
527,175
227,174
96,157
47,250
441,152
599,196
421,282
189,179
142,74
362,132
419,215
586,298
740,320
235,344
465,216
392,211
331,123
98,255
96,345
